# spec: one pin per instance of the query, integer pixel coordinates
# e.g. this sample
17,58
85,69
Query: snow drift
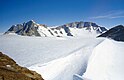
106,62
64,68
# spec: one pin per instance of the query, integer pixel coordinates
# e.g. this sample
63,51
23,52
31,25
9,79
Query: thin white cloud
117,17
99,17
116,14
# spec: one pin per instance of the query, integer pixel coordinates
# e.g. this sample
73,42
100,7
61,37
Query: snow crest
106,62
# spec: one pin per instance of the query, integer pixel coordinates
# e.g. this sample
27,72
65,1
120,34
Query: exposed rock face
26,29
9,70
116,33
88,25
33,29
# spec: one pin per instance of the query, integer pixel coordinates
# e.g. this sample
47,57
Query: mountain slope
87,25
29,29
116,33
32,28
10,70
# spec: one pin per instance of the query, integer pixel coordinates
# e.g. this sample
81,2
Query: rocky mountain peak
31,22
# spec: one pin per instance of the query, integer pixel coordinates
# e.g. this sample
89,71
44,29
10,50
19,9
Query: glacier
81,57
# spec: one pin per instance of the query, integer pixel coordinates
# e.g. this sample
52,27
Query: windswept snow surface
55,58
106,62
1,33
64,68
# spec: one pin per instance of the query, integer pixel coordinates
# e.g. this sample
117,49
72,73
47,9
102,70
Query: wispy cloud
117,17
112,15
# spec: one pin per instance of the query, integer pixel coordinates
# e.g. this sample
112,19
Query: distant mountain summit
89,26
32,28
116,33
27,29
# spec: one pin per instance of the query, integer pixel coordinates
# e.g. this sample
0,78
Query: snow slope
106,62
64,68
56,58
31,50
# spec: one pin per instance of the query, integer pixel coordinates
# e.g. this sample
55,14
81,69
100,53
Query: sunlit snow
66,58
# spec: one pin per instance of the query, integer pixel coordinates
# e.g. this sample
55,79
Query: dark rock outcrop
9,70
116,33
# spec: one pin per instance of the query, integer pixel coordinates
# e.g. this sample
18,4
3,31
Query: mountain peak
31,21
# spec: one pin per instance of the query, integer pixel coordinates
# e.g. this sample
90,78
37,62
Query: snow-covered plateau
82,57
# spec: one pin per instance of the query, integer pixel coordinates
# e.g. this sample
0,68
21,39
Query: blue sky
56,12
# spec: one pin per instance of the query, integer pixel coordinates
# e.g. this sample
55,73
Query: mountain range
66,58
31,28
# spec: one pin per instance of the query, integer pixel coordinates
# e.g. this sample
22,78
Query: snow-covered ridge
106,62
32,28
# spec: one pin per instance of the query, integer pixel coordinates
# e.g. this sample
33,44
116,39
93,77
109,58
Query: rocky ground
9,70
